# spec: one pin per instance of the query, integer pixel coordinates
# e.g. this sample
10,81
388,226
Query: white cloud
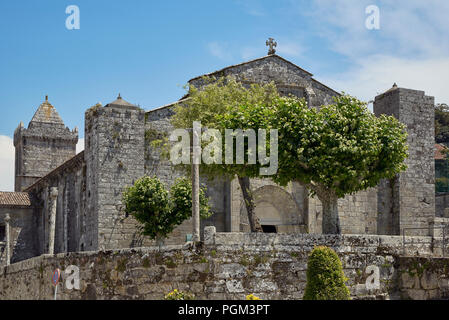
407,28
410,48
376,74
289,48
80,145
249,53
7,156
219,50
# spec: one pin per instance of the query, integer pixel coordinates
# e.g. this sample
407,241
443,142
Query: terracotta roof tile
15,199
439,148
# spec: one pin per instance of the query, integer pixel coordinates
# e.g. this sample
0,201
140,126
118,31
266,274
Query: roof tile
15,199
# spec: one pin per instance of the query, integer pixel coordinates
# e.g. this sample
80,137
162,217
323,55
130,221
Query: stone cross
8,240
51,236
272,44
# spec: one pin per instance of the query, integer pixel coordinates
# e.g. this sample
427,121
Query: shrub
325,277
252,297
160,210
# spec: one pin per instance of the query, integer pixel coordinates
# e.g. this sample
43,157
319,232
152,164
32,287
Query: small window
269,229
2,233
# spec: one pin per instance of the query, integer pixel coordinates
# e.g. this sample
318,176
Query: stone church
85,189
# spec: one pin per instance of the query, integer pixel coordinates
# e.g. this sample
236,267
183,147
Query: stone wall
423,278
22,234
357,213
114,155
71,216
232,265
288,77
43,146
442,203
409,200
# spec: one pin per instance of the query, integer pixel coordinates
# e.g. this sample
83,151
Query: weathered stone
429,280
410,281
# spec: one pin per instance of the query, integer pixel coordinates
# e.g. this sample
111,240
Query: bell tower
43,146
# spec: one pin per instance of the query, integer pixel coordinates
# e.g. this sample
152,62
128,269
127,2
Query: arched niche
274,207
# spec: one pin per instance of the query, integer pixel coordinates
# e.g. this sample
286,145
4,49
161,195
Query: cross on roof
272,44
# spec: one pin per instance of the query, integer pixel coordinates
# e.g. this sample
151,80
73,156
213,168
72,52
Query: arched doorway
276,209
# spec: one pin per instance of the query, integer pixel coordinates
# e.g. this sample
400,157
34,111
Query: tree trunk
249,203
160,241
331,222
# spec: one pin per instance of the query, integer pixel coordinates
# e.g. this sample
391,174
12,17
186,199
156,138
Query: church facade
83,191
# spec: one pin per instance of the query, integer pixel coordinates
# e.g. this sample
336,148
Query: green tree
159,210
442,123
336,150
208,104
325,277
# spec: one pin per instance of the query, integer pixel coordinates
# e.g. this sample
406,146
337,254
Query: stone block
429,280
408,281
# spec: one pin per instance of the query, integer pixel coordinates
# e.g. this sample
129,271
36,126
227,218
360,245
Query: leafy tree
160,210
325,277
442,123
336,150
208,104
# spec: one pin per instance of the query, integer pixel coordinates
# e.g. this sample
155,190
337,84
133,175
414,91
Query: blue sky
148,50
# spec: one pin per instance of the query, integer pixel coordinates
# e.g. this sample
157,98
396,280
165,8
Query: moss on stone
146,263
244,261
121,265
169,263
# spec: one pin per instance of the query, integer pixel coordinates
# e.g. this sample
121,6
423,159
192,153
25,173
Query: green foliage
338,149
210,104
216,97
181,194
221,104
159,210
325,277
442,123
442,184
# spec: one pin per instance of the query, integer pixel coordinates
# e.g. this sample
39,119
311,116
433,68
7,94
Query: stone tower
43,146
409,200
115,158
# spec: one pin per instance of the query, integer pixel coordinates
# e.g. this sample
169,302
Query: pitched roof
47,113
22,199
251,61
258,59
120,103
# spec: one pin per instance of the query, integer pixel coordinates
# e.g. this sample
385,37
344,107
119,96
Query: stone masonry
409,200
114,158
118,150
233,265
43,146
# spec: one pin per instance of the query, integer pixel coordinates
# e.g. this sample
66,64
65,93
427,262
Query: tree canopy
211,105
336,150
160,210
442,123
